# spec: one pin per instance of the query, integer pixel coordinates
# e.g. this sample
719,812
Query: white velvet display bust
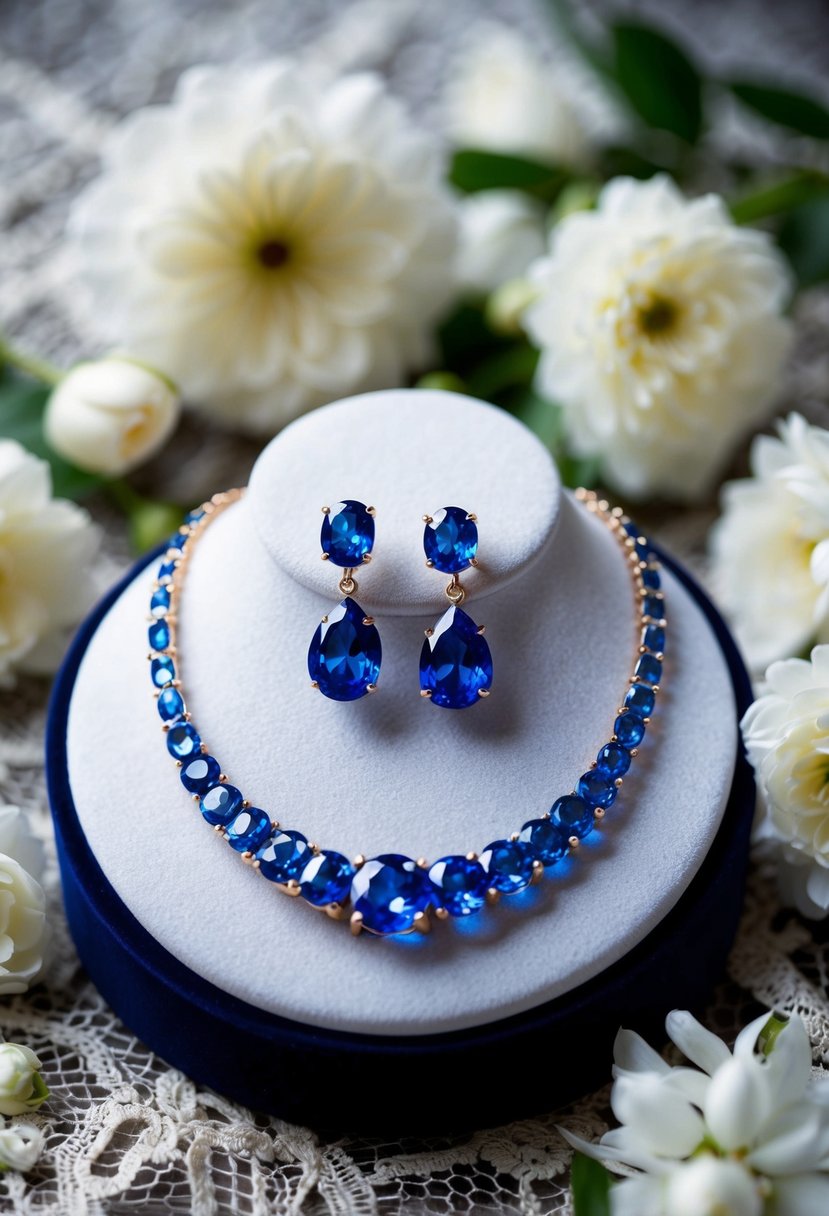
391,772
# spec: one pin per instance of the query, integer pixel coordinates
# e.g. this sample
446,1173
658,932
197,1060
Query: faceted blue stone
460,885
200,773
170,704
183,741
648,669
595,789
548,841
640,700
573,815
508,865
248,829
165,572
347,533
613,761
653,638
629,729
162,671
651,579
220,804
642,546
160,602
326,879
643,550
177,541
455,662
450,540
284,856
632,529
344,655
158,635
388,891
654,607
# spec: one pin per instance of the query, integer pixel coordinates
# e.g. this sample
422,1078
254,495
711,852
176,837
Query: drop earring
345,652
455,663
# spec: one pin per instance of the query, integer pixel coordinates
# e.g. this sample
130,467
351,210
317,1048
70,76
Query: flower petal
661,1119
737,1103
807,1195
632,1054
700,1045
637,1197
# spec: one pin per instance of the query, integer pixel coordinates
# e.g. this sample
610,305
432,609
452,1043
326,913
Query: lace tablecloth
124,1131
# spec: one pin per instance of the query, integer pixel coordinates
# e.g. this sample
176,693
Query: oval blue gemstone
170,704
629,729
640,700
165,572
460,885
158,635
220,804
450,540
200,773
595,789
284,857
388,891
455,662
648,669
653,638
573,816
642,546
344,655
548,841
248,829
347,533
162,671
160,601
651,579
613,761
326,879
654,607
508,865
183,741
177,541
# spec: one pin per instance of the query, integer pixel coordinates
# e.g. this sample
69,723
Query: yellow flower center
657,317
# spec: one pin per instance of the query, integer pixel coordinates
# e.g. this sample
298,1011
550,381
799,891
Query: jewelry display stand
272,1002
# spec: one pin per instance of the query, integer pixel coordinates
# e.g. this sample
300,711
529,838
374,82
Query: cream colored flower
22,927
269,241
502,231
110,415
660,327
21,1085
770,547
46,548
20,1146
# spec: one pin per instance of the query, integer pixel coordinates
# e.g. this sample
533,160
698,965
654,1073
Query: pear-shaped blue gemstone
455,663
347,533
450,540
344,656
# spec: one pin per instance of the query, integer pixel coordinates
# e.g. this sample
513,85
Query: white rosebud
20,1146
21,1085
712,1187
502,231
110,415
22,927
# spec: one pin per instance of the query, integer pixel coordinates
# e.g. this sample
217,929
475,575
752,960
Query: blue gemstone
183,741
546,839
248,830
284,857
573,816
220,804
200,773
162,671
613,761
460,885
326,879
455,662
648,669
344,655
640,700
177,541
651,579
450,540
160,602
632,529
388,891
653,638
508,865
629,729
158,635
643,550
170,704
642,546
347,533
193,517
165,572
654,607
595,789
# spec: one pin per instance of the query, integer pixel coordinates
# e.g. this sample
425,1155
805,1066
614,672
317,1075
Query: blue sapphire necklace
392,893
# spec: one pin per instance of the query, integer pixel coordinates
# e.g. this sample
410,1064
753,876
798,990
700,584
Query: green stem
30,365
779,197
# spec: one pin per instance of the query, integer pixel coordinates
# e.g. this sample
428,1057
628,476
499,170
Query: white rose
501,232
22,927
111,415
46,549
21,1085
660,328
770,547
20,1146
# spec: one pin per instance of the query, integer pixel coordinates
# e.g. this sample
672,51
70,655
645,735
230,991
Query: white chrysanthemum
770,547
46,547
660,327
268,241
502,231
742,1134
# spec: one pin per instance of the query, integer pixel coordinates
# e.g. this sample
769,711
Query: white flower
46,546
741,1134
21,1085
22,927
502,96
770,547
269,241
20,1146
502,231
111,415
786,734
661,335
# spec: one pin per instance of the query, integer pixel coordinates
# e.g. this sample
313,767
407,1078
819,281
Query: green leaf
793,110
22,402
658,79
503,370
804,238
590,1183
618,161
465,339
543,417
779,197
474,170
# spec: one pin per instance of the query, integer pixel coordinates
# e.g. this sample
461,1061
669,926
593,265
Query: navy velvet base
478,1077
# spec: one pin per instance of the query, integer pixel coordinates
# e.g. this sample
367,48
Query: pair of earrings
345,653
